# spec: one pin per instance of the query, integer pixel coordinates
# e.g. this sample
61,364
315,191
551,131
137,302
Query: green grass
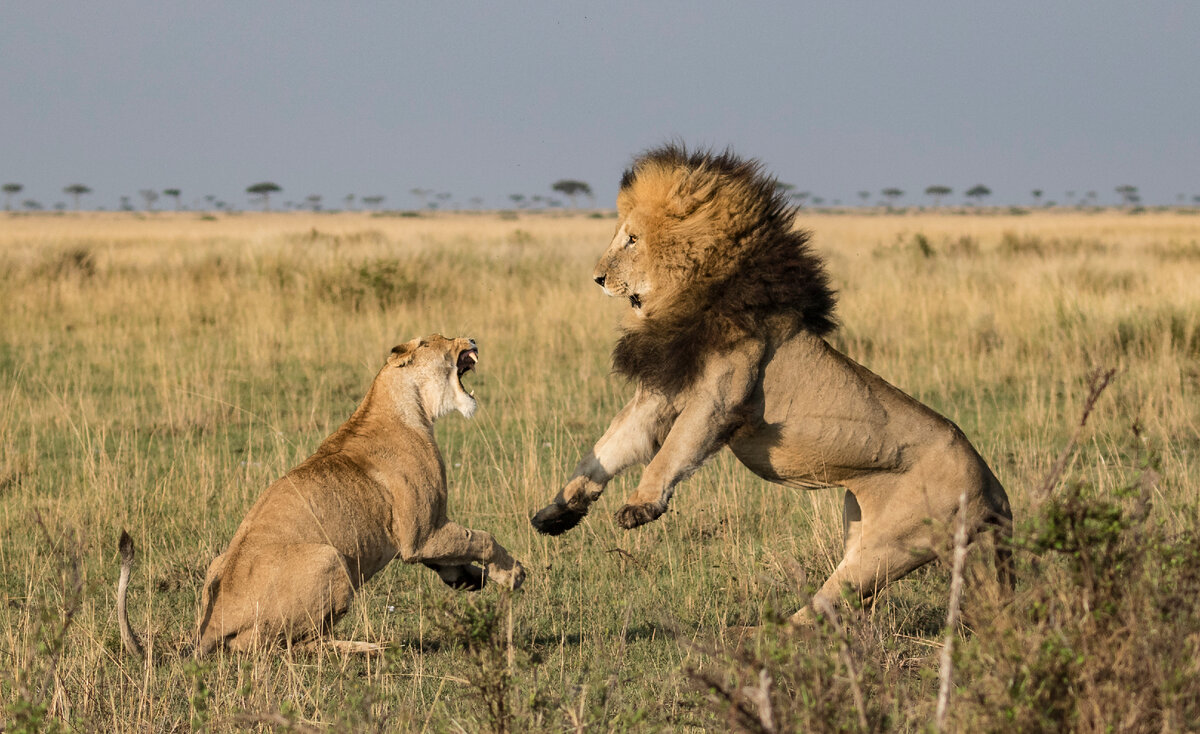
157,375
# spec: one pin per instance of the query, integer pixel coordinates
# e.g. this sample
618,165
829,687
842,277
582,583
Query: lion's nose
599,280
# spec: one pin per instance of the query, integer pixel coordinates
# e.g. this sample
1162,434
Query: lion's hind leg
879,550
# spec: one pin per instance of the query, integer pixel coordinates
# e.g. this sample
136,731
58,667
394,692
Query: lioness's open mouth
466,362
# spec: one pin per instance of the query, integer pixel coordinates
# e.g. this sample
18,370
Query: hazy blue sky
490,99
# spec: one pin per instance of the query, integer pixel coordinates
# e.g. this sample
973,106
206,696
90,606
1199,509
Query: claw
632,516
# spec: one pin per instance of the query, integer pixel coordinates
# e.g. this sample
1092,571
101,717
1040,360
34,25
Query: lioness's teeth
472,393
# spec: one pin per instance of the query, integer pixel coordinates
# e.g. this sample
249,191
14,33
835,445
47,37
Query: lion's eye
632,239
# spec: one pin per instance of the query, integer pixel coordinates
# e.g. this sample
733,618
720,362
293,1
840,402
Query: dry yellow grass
156,372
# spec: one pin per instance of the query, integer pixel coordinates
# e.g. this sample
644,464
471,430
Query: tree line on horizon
572,189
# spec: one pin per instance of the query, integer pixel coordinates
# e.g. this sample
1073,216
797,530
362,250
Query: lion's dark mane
769,274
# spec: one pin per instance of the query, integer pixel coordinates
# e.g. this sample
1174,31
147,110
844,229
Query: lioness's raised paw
509,578
556,519
631,516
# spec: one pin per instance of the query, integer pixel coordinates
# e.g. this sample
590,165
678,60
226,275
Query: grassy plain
156,372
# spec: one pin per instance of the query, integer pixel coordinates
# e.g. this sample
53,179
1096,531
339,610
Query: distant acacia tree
150,196
264,189
518,200
75,191
126,205
372,201
1037,196
174,194
937,192
422,194
476,202
32,205
864,195
1129,194
800,197
892,194
349,201
979,192
314,202
9,190
571,188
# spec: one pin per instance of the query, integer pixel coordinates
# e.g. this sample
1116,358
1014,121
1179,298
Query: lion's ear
402,354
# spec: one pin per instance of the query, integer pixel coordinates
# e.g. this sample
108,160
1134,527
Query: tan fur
374,490
701,241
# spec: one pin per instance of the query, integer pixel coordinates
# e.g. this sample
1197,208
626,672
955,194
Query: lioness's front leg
633,437
453,545
711,411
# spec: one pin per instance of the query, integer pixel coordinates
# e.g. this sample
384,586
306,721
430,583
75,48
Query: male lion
724,341
375,489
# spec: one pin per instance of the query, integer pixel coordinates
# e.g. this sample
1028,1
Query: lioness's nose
599,280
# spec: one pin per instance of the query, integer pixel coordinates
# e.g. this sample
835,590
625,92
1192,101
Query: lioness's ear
402,354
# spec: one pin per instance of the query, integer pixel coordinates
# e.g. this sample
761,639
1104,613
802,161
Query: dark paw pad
631,516
556,520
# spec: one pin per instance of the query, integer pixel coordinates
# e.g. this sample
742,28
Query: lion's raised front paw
556,519
509,578
631,516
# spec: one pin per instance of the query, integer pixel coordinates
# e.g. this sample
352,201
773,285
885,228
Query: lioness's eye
632,239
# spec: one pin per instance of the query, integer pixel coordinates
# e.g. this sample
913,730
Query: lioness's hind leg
293,592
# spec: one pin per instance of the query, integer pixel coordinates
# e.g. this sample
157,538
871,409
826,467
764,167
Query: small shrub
1105,637
920,243
77,262
1169,329
380,283
963,246
1013,244
482,626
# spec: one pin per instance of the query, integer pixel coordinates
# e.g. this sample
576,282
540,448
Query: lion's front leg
711,411
633,438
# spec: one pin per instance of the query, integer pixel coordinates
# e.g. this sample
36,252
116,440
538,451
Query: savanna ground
156,373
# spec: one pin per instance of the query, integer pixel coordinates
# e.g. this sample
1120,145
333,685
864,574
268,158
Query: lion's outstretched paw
556,519
631,516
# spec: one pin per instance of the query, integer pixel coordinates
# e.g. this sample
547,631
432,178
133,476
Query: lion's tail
132,644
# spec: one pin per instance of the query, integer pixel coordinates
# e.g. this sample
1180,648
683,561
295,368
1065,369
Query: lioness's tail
128,638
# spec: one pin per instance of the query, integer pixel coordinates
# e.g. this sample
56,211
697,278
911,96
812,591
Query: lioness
375,489
724,339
